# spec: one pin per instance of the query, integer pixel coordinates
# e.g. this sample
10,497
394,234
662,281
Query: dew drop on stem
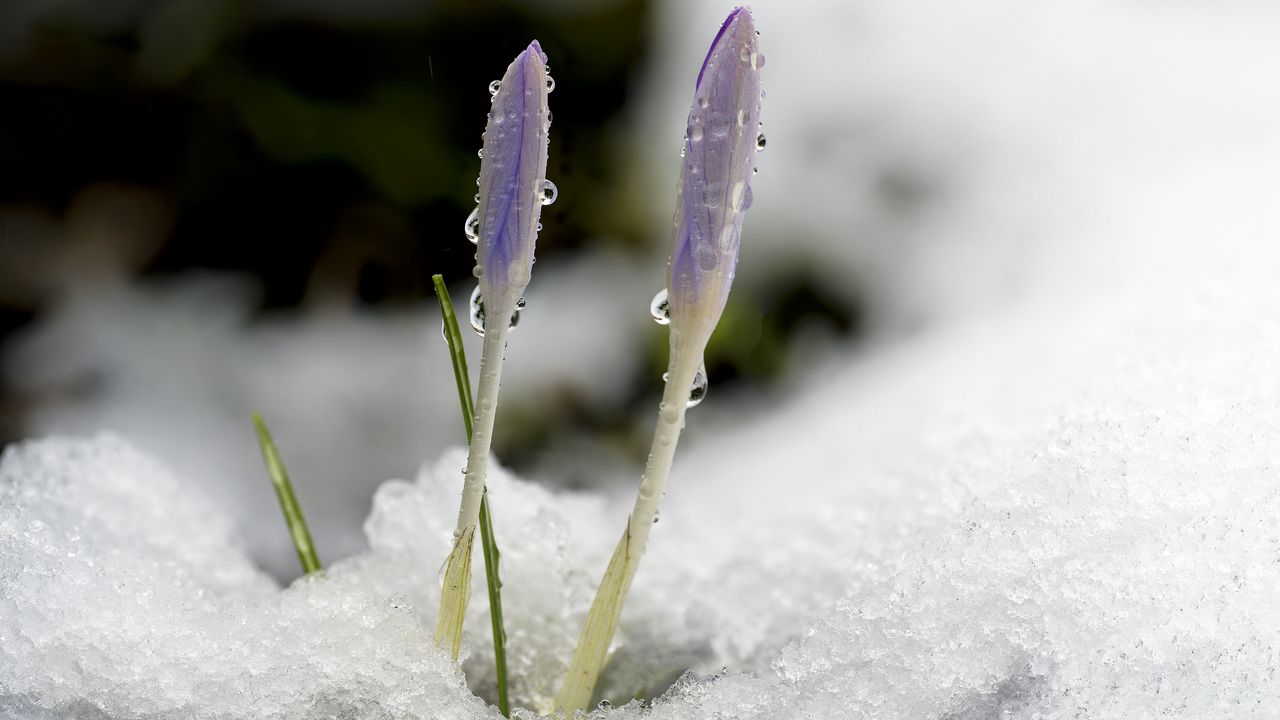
698,389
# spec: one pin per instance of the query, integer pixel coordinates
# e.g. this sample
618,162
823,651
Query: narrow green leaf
489,546
288,503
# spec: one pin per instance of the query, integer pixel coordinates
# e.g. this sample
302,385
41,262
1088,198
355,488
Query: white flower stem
455,593
602,620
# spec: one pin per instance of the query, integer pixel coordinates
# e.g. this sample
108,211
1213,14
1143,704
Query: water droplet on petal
480,152
477,312
472,226
551,83
549,193
493,87
757,60
660,309
760,142
742,117
696,134
539,227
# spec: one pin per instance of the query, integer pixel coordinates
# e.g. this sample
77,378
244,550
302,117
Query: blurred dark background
328,150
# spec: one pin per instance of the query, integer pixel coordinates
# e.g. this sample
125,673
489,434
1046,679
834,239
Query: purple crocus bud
714,189
513,184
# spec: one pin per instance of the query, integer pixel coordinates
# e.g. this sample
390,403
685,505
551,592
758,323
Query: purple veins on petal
719,160
512,172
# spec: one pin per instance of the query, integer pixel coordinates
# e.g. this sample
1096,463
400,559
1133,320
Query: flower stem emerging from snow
713,195
513,186
288,503
489,546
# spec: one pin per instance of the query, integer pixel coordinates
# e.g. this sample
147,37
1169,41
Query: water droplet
548,117
696,134
477,197
747,200
757,60
703,101
477,271
605,705
745,54
698,390
551,83
493,87
742,118
754,171
760,142
480,152
472,226
477,312
655,518
539,227
735,199
549,192
660,309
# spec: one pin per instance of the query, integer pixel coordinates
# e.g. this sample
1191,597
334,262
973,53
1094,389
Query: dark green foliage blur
321,154
328,149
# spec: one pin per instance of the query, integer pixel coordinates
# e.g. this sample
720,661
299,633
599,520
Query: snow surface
1057,498
351,398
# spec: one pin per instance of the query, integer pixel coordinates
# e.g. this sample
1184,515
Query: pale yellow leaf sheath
456,592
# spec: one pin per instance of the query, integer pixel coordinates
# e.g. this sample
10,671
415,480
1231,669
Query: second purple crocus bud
713,197
714,189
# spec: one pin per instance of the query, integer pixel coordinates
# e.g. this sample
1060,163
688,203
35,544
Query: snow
351,398
1048,489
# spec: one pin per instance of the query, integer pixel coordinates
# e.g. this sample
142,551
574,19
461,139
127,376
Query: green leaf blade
489,546
293,516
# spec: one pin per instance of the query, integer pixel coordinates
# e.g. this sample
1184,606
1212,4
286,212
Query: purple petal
714,189
511,176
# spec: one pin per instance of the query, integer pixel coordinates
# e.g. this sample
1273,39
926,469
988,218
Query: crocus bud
714,194
714,189
513,189
513,184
